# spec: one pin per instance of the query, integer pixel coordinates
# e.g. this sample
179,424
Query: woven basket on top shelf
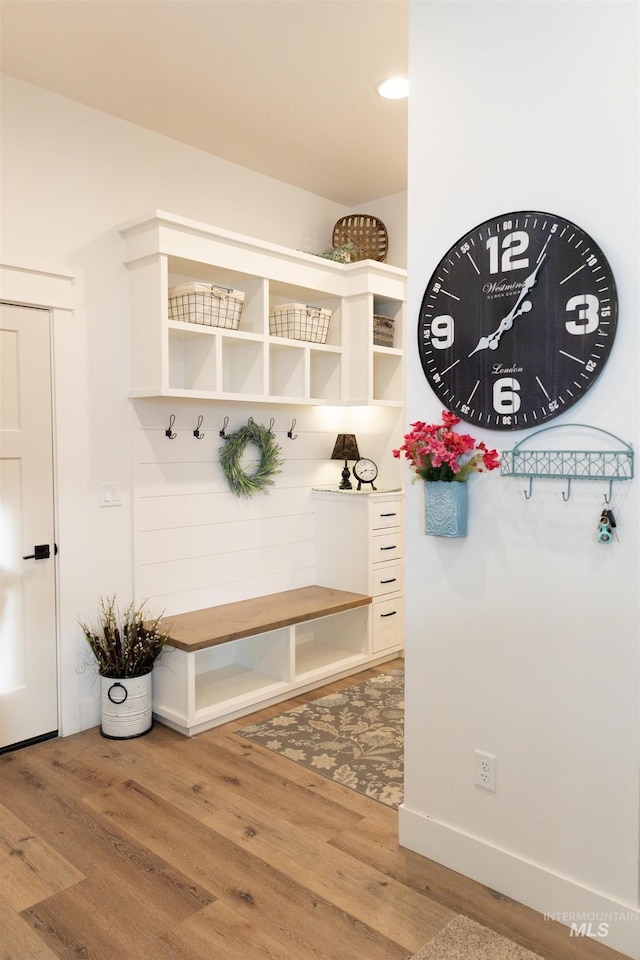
367,234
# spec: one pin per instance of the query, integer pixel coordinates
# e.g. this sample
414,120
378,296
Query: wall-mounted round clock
517,321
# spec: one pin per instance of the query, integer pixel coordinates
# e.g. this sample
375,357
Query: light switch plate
110,494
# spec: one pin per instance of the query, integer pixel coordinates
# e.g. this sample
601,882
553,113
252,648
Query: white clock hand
491,342
518,308
507,323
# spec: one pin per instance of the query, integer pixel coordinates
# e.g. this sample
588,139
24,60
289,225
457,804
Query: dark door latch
40,552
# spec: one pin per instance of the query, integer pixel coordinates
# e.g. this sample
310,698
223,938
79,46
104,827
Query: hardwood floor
213,848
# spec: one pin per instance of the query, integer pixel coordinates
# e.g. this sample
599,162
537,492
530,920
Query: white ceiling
284,87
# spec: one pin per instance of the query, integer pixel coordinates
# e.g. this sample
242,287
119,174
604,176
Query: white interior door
28,674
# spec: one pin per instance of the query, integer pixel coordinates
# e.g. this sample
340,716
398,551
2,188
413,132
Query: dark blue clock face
517,321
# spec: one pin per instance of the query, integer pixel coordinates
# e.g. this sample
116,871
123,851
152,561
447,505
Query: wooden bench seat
245,618
224,662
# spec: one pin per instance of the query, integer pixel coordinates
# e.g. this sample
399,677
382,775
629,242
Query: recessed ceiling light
396,88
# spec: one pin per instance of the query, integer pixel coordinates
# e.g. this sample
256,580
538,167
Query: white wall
196,545
525,643
70,176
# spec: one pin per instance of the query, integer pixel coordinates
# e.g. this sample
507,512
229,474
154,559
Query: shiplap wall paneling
195,543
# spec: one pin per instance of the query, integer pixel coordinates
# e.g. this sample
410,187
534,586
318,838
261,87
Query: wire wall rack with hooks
570,464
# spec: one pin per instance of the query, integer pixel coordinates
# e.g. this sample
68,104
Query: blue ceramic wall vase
445,508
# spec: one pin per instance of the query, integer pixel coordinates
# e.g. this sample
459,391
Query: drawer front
387,514
386,546
387,579
387,624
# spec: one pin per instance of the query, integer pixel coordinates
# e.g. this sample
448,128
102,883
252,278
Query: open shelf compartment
287,370
192,357
242,366
387,376
242,671
252,318
324,376
393,310
330,643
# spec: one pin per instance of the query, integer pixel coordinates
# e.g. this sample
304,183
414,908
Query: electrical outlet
485,770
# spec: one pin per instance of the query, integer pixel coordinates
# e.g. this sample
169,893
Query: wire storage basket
367,234
206,304
298,321
382,331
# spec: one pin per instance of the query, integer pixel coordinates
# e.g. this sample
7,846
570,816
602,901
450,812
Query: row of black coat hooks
199,435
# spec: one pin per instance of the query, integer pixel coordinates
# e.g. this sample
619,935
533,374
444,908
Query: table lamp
345,448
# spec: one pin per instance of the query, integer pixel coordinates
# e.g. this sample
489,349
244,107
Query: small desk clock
365,471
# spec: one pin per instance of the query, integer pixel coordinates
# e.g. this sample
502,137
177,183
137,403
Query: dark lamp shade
346,447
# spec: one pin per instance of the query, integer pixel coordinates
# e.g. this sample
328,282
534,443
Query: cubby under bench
227,661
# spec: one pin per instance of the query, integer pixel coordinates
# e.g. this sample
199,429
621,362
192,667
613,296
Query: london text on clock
518,320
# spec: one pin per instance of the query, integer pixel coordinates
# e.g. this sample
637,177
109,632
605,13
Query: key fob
604,534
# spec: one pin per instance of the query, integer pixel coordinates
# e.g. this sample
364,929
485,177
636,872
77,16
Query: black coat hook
196,432
223,432
169,431
271,425
290,431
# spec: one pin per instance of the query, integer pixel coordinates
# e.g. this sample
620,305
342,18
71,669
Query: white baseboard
584,912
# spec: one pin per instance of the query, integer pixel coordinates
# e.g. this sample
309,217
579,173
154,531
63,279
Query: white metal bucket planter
126,706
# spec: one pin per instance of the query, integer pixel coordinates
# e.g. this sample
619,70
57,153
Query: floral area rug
354,737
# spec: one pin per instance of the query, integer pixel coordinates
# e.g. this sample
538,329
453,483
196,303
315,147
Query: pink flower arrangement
437,452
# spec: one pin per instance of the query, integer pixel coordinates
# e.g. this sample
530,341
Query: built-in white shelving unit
175,359
198,688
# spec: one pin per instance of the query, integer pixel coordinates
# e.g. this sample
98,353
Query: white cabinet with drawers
359,547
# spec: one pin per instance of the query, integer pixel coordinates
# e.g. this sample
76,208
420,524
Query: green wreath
245,484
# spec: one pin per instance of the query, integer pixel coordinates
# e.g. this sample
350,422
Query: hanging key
612,522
